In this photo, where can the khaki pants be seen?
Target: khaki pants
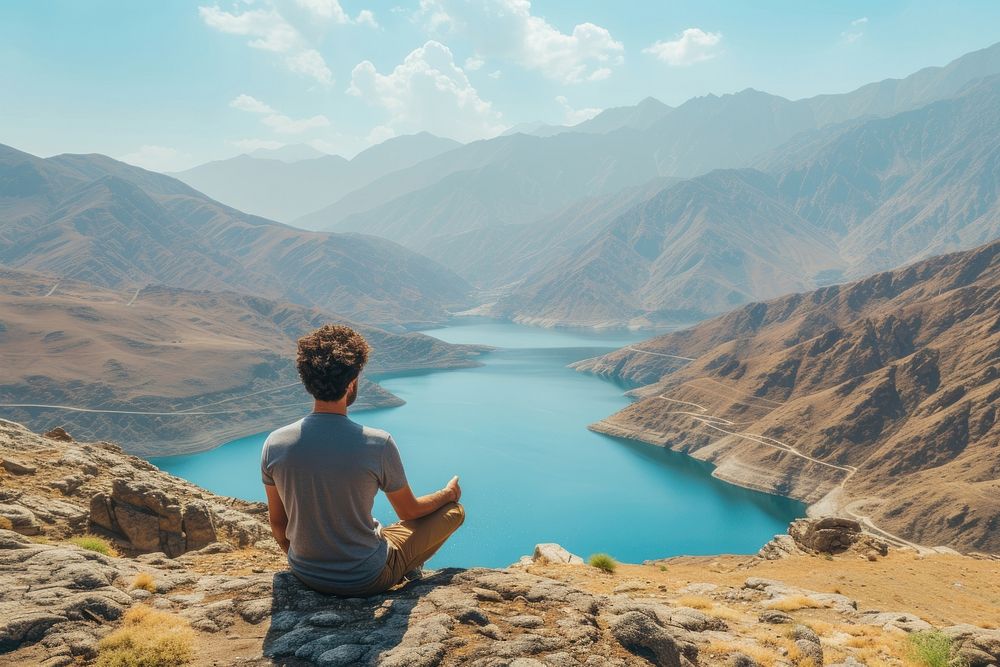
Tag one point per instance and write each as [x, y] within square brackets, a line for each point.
[412, 543]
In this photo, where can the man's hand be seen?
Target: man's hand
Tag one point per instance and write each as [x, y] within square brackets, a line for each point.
[454, 489]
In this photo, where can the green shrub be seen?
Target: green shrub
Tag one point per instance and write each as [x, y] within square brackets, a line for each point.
[603, 562]
[95, 543]
[931, 648]
[663, 568]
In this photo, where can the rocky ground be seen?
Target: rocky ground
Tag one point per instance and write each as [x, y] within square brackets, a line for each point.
[827, 593]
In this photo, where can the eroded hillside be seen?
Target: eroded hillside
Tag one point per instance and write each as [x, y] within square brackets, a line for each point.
[877, 398]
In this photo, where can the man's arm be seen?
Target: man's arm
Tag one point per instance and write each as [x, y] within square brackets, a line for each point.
[410, 507]
[277, 516]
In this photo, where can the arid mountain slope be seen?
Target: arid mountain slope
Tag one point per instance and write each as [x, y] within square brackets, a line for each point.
[868, 197]
[215, 365]
[91, 218]
[877, 398]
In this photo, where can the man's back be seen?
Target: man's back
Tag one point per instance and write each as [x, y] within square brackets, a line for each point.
[327, 470]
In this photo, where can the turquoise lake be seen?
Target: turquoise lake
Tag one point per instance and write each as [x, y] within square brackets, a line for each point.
[515, 430]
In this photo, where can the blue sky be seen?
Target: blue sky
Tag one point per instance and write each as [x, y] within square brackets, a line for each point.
[171, 84]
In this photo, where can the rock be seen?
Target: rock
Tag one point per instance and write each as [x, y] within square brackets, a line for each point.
[978, 647]
[60, 434]
[774, 616]
[808, 642]
[553, 553]
[833, 535]
[487, 595]
[526, 621]
[198, 525]
[896, 620]
[17, 468]
[741, 660]
[22, 520]
[639, 634]
[345, 654]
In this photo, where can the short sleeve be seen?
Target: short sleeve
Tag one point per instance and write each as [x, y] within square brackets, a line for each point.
[393, 478]
[265, 476]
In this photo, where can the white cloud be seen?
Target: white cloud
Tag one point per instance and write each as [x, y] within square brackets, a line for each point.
[250, 104]
[270, 31]
[427, 91]
[311, 64]
[573, 116]
[693, 46]
[507, 29]
[275, 120]
[330, 10]
[472, 63]
[366, 17]
[158, 158]
[856, 31]
[325, 9]
[495, 74]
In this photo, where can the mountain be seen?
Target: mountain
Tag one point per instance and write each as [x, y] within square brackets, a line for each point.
[638, 117]
[94, 219]
[288, 153]
[520, 179]
[269, 184]
[65, 342]
[875, 399]
[870, 196]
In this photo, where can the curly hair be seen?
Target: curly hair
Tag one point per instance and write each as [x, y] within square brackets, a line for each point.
[329, 359]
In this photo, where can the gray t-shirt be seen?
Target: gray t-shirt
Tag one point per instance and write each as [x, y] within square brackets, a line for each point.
[327, 470]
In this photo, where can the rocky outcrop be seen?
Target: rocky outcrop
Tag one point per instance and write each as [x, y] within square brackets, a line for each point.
[147, 519]
[58, 600]
[827, 535]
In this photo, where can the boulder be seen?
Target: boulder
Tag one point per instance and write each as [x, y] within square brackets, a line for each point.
[828, 535]
[22, 520]
[60, 434]
[554, 553]
[150, 520]
[978, 647]
[17, 468]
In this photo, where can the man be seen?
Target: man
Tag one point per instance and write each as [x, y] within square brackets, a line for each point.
[322, 473]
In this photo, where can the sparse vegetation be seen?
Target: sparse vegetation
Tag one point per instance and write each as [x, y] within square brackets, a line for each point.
[663, 568]
[695, 602]
[793, 603]
[147, 638]
[5, 523]
[603, 562]
[95, 543]
[144, 581]
[720, 650]
[931, 648]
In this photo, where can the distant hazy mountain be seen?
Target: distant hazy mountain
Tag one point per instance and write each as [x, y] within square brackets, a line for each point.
[95, 219]
[889, 385]
[289, 153]
[875, 195]
[283, 189]
[518, 179]
[638, 117]
[65, 342]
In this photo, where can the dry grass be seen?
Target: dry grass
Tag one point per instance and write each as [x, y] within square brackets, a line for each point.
[694, 602]
[95, 543]
[725, 613]
[794, 603]
[6, 524]
[147, 638]
[144, 581]
[720, 650]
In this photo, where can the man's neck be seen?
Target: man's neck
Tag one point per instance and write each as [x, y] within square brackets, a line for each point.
[331, 407]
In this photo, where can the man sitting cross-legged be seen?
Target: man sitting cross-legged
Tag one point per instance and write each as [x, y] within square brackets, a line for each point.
[322, 473]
